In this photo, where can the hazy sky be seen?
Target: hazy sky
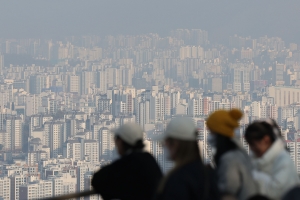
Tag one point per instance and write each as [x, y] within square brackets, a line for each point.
[221, 18]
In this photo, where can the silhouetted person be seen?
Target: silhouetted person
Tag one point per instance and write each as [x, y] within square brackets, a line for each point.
[232, 161]
[275, 172]
[189, 179]
[135, 175]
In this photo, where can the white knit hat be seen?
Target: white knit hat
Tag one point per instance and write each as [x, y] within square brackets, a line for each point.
[130, 133]
[182, 128]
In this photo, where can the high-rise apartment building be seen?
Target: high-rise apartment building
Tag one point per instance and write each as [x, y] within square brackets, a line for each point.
[247, 54]
[32, 102]
[278, 74]
[56, 138]
[106, 144]
[14, 128]
[5, 188]
[37, 83]
[126, 75]
[240, 78]
[143, 113]
[205, 148]
[72, 149]
[81, 149]
[126, 104]
[215, 84]
[101, 80]
[160, 107]
[191, 52]
[175, 100]
[294, 147]
[63, 184]
[82, 170]
[87, 78]
[284, 95]
[36, 190]
[199, 37]
[104, 104]
[91, 150]
[1, 64]
[16, 181]
[74, 84]
[195, 107]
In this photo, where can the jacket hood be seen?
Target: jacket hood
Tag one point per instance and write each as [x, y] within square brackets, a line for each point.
[276, 148]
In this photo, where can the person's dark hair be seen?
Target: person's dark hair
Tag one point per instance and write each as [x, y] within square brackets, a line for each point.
[139, 145]
[188, 151]
[223, 145]
[258, 130]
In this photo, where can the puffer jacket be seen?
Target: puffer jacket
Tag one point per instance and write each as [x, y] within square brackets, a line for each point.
[234, 174]
[275, 172]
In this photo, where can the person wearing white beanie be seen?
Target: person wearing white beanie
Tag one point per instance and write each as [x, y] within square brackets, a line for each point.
[189, 179]
[135, 175]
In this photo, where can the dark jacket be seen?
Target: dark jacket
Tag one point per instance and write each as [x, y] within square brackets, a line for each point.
[293, 194]
[259, 197]
[134, 176]
[190, 182]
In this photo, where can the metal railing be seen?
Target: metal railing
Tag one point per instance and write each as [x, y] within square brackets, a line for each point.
[72, 196]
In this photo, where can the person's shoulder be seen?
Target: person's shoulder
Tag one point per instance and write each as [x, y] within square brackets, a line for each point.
[140, 159]
[236, 156]
[145, 154]
[283, 158]
[194, 168]
[120, 162]
[139, 154]
[284, 155]
[232, 155]
[189, 174]
[177, 176]
[112, 165]
[142, 156]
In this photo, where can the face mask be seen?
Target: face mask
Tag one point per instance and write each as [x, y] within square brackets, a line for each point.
[212, 140]
[115, 155]
[166, 153]
[213, 151]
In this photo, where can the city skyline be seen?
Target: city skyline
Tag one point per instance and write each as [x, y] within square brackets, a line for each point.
[72, 71]
[60, 98]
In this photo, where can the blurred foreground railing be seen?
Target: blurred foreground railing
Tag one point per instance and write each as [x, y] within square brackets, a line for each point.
[71, 196]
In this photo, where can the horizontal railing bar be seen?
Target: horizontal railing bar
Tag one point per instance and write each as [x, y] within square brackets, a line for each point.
[71, 196]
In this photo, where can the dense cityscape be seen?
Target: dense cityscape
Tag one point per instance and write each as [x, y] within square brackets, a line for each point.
[59, 100]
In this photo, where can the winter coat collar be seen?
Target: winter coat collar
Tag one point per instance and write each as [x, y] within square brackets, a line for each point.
[130, 151]
[271, 153]
[238, 143]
